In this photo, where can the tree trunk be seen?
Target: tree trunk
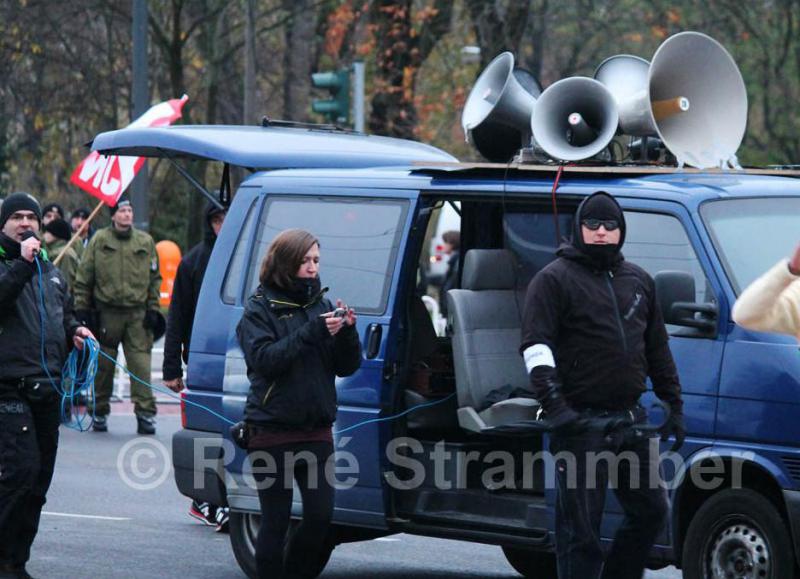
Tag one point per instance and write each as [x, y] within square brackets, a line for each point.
[298, 59]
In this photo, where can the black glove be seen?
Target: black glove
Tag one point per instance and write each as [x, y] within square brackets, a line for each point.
[559, 414]
[674, 426]
[87, 318]
[155, 322]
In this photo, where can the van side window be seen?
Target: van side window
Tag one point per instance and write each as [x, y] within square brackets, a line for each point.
[359, 240]
[232, 285]
[531, 236]
[657, 242]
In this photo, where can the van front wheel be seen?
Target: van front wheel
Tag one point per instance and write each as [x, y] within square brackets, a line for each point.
[244, 531]
[737, 533]
[532, 564]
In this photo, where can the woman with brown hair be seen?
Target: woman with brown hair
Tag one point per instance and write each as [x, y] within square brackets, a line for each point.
[295, 344]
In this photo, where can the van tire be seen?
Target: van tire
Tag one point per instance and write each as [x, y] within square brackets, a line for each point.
[532, 564]
[243, 532]
[738, 527]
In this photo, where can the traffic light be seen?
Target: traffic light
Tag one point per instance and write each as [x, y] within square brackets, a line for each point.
[336, 108]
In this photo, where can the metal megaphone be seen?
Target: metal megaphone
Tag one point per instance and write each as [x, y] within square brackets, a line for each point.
[692, 96]
[496, 116]
[575, 118]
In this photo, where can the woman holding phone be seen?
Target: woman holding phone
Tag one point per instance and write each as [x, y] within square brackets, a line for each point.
[295, 343]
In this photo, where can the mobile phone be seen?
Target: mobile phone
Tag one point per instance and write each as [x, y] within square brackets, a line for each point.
[339, 313]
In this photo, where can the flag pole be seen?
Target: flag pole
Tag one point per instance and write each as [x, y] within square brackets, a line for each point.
[77, 235]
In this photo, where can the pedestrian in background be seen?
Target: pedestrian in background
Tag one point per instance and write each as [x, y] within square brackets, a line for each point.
[592, 333]
[52, 211]
[182, 307]
[56, 236]
[29, 404]
[118, 286]
[451, 242]
[772, 302]
[294, 347]
[78, 217]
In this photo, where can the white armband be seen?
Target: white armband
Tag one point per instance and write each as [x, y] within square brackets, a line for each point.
[538, 355]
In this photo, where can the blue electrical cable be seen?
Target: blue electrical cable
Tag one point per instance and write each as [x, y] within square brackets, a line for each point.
[80, 370]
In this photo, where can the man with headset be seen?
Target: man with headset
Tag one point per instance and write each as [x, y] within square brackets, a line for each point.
[29, 403]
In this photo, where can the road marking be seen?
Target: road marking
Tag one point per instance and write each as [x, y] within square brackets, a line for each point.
[76, 516]
[387, 539]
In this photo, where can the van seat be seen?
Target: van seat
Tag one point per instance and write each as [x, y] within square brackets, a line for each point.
[486, 324]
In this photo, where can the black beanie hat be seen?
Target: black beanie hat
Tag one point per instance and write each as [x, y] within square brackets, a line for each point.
[59, 228]
[123, 202]
[81, 212]
[54, 207]
[19, 202]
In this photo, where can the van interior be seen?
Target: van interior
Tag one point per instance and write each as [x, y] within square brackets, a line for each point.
[462, 364]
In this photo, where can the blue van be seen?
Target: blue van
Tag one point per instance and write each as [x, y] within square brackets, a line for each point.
[420, 442]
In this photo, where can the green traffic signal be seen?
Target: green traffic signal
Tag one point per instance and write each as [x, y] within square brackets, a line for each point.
[337, 108]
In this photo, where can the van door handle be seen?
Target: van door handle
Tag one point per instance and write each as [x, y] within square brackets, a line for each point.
[374, 334]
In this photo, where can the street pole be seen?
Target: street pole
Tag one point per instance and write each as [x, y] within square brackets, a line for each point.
[358, 96]
[141, 102]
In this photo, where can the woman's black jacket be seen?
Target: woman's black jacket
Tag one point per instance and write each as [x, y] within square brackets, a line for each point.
[292, 361]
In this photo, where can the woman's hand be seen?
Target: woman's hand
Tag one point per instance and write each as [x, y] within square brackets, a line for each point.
[794, 262]
[350, 314]
[336, 323]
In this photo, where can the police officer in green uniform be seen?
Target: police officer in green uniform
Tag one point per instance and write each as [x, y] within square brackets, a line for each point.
[118, 278]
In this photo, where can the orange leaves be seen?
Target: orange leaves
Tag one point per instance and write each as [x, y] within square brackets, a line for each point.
[339, 22]
[659, 31]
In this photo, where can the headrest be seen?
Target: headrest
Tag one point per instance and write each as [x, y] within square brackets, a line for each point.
[489, 269]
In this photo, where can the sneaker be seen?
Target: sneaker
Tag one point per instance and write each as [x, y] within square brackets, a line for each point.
[100, 424]
[222, 520]
[145, 424]
[203, 512]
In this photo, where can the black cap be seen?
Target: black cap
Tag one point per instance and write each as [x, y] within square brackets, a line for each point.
[123, 202]
[81, 212]
[54, 207]
[19, 202]
[59, 228]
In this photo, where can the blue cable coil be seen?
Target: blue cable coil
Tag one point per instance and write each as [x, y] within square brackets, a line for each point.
[80, 370]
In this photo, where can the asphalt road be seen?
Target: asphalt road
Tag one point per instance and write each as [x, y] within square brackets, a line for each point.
[100, 526]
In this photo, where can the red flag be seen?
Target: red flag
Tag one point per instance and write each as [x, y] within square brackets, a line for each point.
[107, 177]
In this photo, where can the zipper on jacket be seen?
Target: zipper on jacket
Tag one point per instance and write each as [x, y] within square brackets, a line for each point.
[609, 277]
[266, 396]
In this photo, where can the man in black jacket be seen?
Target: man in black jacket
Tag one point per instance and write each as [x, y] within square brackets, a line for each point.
[592, 332]
[185, 292]
[29, 404]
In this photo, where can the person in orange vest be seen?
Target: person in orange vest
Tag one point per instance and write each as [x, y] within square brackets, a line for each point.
[185, 292]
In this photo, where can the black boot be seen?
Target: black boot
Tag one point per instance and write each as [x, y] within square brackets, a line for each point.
[145, 424]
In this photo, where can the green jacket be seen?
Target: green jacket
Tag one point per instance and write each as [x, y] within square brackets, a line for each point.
[68, 264]
[118, 269]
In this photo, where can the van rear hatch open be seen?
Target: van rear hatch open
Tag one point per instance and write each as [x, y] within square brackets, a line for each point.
[268, 147]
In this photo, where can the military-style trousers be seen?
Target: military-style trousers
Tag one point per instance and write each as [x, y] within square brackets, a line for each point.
[126, 326]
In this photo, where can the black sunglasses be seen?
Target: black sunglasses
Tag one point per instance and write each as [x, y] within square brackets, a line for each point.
[594, 224]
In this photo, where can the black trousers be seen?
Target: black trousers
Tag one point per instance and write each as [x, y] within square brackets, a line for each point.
[279, 556]
[584, 463]
[28, 445]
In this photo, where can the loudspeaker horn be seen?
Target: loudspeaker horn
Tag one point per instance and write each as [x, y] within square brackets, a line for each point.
[575, 118]
[692, 97]
[496, 116]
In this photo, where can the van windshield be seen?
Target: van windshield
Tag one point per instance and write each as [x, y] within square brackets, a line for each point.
[751, 235]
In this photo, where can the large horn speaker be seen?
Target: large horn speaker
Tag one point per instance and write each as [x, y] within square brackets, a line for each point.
[575, 118]
[496, 116]
[692, 96]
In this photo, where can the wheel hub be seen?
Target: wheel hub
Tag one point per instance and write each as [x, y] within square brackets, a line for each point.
[740, 552]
